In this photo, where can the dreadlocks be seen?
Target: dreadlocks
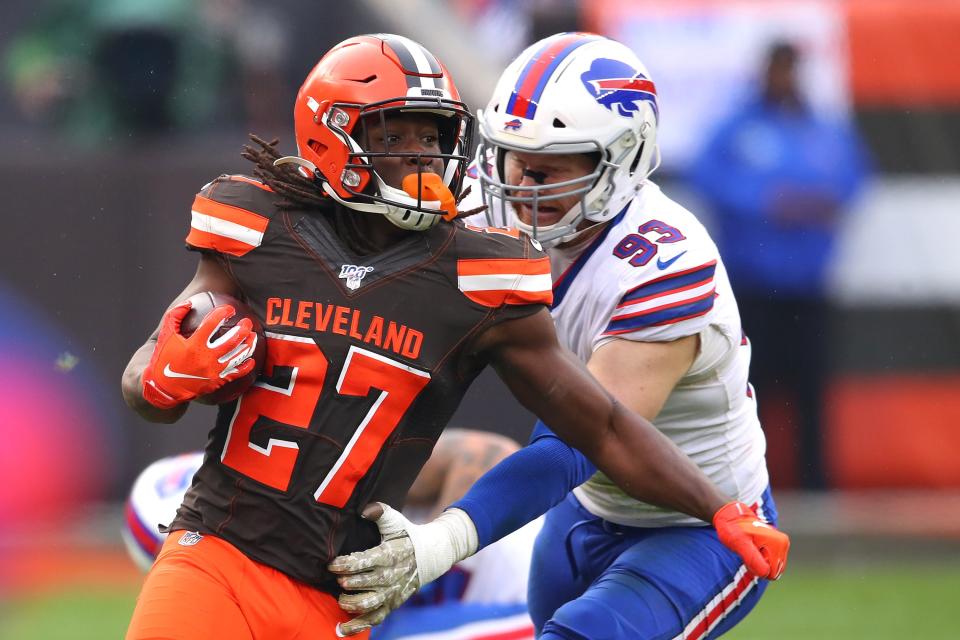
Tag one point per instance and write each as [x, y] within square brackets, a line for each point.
[298, 191]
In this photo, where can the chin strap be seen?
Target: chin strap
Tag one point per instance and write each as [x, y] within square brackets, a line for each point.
[297, 160]
[400, 211]
[578, 235]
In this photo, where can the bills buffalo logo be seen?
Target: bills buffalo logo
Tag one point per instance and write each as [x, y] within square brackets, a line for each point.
[512, 125]
[619, 87]
[178, 478]
[353, 274]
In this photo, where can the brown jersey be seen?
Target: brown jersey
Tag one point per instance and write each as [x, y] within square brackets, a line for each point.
[364, 367]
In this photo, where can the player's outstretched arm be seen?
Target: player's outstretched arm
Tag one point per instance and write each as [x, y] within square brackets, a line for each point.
[641, 375]
[211, 275]
[552, 383]
[642, 461]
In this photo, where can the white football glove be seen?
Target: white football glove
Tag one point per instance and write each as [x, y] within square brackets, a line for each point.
[408, 557]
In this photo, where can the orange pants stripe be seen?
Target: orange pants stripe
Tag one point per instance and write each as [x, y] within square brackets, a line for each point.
[210, 589]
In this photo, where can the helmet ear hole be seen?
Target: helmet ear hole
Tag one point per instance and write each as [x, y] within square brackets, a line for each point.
[318, 147]
[558, 124]
[496, 108]
[636, 158]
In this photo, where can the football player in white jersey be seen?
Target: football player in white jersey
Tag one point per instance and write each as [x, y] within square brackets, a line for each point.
[642, 297]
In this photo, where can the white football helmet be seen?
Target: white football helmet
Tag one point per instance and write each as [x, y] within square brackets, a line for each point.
[570, 93]
[154, 500]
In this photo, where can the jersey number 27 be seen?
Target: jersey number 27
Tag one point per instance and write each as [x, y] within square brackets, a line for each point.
[294, 404]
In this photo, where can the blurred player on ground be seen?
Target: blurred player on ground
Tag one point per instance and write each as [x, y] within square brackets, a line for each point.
[484, 594]
[379, 311]
[641, 296]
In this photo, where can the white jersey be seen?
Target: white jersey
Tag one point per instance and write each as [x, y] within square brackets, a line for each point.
[653, 274]
[498, 572]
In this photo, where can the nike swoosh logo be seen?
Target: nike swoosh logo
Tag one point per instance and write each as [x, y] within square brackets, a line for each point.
[757, 523]
[170, 373]
[663, 264]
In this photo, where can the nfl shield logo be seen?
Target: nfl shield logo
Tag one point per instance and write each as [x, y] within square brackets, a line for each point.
[190, 538]
[353, 274]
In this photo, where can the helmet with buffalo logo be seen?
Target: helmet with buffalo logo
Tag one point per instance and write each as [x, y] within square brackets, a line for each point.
[570, 93]
[154, 499]
[359, 83]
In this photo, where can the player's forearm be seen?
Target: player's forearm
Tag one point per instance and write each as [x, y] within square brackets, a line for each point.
[522, 487]
[643, 462]
[477, 454]
[649, 467]
[132, 387]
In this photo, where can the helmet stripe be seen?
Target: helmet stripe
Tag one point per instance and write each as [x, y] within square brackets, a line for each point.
[533, 80]
[430, 59]
[418, 64]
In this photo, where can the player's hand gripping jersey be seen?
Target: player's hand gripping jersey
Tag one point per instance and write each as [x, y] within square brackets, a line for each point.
[655, 275]
[367, 359]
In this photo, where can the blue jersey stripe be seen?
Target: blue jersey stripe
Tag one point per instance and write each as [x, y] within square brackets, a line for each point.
[562, 285]
[672, 281]
[662, 316]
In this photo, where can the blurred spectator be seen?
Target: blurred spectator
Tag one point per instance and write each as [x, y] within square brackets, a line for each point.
[779, 178]
[506, 27]
[548, 17]
[113, 68]
[502, 27]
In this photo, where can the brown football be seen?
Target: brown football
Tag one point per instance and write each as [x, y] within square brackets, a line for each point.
[201, 305]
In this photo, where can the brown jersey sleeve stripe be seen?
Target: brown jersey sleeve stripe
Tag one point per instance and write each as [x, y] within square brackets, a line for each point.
[499, 298]
[503, 266]
[513, 281]
[225, 228]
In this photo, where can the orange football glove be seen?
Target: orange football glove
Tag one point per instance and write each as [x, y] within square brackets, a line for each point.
[182, 369]
[762, 547]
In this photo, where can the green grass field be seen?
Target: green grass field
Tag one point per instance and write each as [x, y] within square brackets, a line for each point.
[873, 602]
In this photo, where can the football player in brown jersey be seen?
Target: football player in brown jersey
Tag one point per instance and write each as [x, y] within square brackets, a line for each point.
[379, 311]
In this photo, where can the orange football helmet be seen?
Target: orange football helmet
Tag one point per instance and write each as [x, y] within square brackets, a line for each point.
[378, 75]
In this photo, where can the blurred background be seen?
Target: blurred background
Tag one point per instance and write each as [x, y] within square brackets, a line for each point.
[818, 139]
